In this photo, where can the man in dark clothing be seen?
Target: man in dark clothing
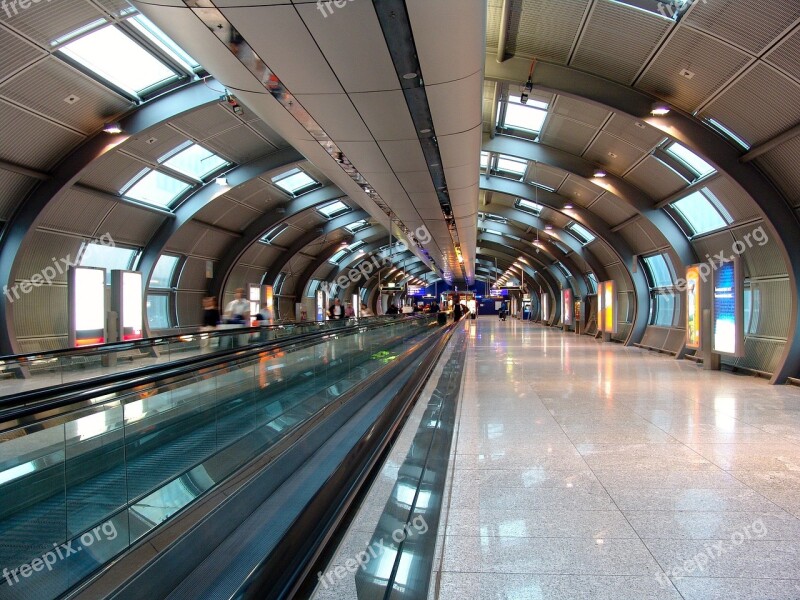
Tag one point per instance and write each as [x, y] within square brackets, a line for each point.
[336, 311]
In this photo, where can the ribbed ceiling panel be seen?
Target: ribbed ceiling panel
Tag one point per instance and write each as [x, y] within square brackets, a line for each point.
[736, 201]
[710, 245]
[566, 134]
[33, 141]
[775, 301]
[257, 194]
[189, 306]
[77, 212]
[240, 144]
[267, 133]
[638, 239]
[782, 164]
[545, 175]
[261, 255]
[206, 122]
[16, 53]
[50, 300]
[655, 178]
[44, 22]
[578, 110]
[131, 225]
[786, 55]
[759, 106]
[632, 44]
[761, 261]
[212, 244]
[494, 16]
[13, 190]
[115, 7]
[37, 252]
[578, 191]
[96, 104]
[185, 239]
[112, 172]
[612, 210]
[546, 29]
[614, 154]
[603, 252]
[683, 51]
[636, 133]
[751, 24]
[193, 275]
[155, 142]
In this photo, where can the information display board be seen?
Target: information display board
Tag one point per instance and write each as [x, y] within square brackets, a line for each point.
[415, 290]
[566, 306]
[607, 300]
[728, 309]
[254, 298]
[86, 306]
[126, 301]
[694, 307]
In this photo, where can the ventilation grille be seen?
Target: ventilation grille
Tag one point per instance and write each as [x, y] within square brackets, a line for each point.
[759, 106]
[33, 141]
[662, 79]
[632, 44]
[546, 29]
[45, 344]
[751, 24]
[760, 355]
[97, 103]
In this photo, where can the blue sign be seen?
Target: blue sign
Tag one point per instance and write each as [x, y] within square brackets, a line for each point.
[728, 309]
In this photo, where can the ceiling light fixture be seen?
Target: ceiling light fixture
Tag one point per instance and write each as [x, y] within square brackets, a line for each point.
[409, 76]
[568, 207]
[112, 128]
[599, 174]
[659, 109]
[223, 181]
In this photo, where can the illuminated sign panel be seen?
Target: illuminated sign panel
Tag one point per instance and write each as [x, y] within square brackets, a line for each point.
[728, 309]
[268, 299]
[415, 290]
[126, 301]
[607, 295]
[545, 307]
[320, 305]
[694, 307]
[87, 306]
[566, 306]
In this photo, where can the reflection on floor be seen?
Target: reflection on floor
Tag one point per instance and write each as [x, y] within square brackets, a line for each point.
[589, 470]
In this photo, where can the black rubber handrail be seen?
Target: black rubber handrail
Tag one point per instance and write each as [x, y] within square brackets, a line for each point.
[26, 404]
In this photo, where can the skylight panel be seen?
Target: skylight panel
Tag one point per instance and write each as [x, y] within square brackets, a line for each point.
[157, 189]
[356, 245]
[163, 272]
[512, 165]
[529, 206]
[690, 159]
[357, 226]
[294, 182]
[484, 160]
[727, 132]
[273, 233]
[660, 275]
[583, 234]
[334, 209]
[148, 29]
[527, 117]
[699, 213]
[340, 254]
[115, 57]
[195, 161]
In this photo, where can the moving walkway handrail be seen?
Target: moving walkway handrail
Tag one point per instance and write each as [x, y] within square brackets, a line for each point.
[147, 343]
[26, 404]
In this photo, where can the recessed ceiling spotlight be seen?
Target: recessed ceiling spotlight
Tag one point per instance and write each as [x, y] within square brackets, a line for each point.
[409, 76]
[687, 73]
[112, 128]
[612, 155]
[548, 227]
[659, 109]
[640, 125]
[599, 174]
[568, 206]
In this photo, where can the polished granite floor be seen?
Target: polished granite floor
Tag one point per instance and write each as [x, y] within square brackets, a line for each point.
[589, 470]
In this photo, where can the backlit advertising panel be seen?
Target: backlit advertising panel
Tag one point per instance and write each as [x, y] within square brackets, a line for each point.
[694, 307]
[87, 306]
[321, 308]
[607, 295]
[126, 301]
[728, 309]
[545, 307]
[566, 306]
